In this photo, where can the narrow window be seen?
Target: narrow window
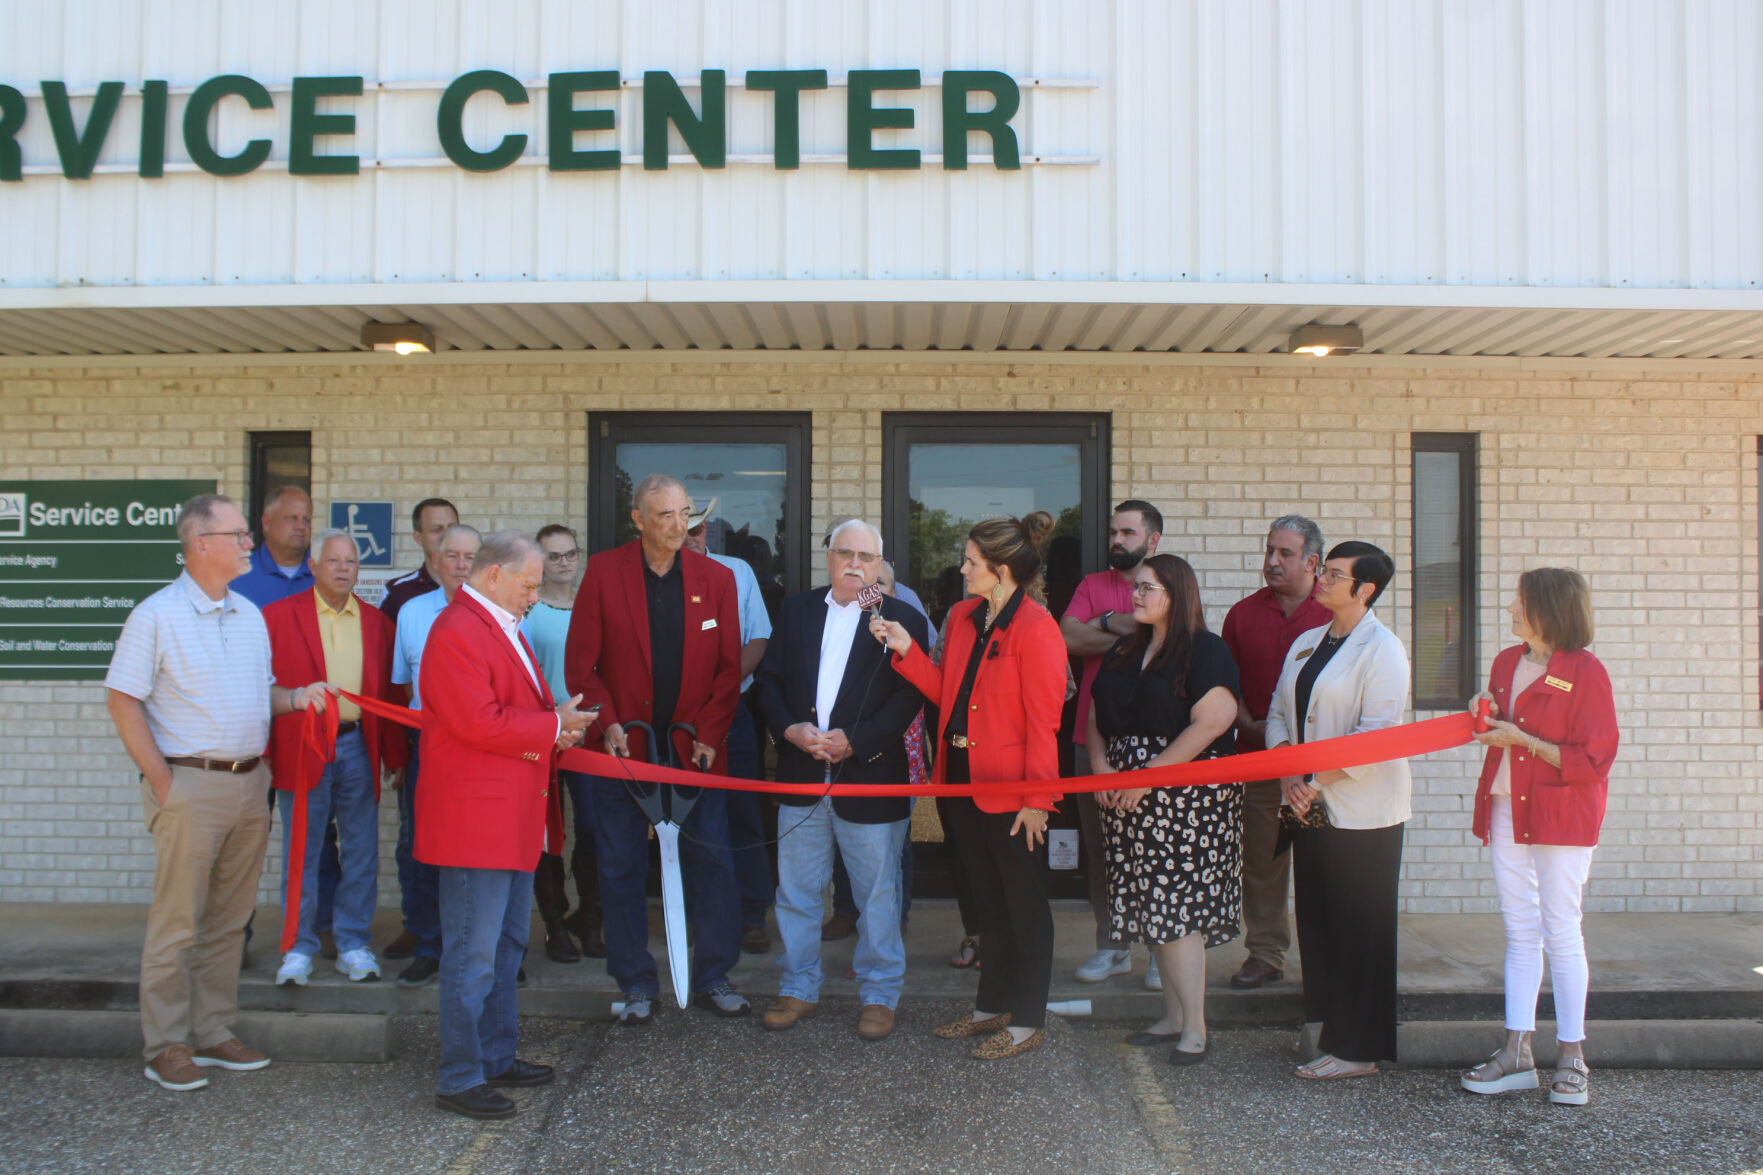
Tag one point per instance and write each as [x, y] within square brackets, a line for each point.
[1445, 672]
[277, 459]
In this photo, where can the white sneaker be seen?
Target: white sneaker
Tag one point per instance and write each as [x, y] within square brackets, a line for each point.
[1153, 980]
[1104, 963]
[296, 968]
[359, 965]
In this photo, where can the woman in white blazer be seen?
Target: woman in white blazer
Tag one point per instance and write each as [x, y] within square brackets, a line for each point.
[1348, 676]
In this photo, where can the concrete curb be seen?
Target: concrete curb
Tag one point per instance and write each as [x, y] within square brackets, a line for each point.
[1610, 1044]
[352, 1039]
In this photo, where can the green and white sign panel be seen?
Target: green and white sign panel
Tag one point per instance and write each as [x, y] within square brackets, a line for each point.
[75, 557]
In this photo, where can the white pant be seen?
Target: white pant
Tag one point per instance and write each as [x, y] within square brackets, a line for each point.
[1540, 888]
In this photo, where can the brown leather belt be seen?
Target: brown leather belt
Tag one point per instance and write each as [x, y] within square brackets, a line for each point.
[346, 727]
[230, 766]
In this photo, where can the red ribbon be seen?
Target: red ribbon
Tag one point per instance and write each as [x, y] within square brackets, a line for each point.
[318, 734]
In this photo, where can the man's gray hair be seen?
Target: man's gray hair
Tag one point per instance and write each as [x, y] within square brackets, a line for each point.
[199, 512]
[274, 497]
[840, 528]
[654, 484]
[505, 548]
[459, 528]
[1303, 528]
[326, 535]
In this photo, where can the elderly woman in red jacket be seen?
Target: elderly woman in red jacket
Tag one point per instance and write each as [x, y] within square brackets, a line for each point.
[1540, 803]
[999, 691]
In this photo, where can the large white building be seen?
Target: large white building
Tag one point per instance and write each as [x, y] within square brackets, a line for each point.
[920, 262]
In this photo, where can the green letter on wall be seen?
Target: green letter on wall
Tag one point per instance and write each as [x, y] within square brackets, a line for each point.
[706, 136]
[862, 119]
[449, 121]
[958, 120]
[563, 120]
[79, 152]
[306, 124]
[786, 115]
[153, 105]
[12, 112]
[202, 104]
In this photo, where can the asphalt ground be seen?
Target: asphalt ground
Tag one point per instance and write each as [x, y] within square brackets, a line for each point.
[696, 1094]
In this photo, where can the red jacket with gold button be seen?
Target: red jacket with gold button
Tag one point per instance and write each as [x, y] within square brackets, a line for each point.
[489, 733]
[1570, 706]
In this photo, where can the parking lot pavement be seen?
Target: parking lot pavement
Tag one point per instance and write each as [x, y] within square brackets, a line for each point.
[693, 1093]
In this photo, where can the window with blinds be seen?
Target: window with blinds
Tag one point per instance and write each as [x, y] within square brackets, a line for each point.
[1444, 562]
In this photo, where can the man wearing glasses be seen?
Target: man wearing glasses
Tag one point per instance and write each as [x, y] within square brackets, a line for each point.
[547, 629]
[191, 691]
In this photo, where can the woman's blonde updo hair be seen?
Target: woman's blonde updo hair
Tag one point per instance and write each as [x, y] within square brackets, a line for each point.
[1015, 543]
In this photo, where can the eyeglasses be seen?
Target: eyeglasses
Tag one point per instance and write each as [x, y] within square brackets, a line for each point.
[867, 558]
[238, 536]
[557, 557]
[1139, 589]
[1332, 575]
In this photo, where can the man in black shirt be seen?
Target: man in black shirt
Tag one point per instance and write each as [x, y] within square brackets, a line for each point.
[428, 522]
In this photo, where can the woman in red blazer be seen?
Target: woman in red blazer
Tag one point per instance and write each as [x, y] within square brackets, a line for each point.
[1541, 803]
[999, 691]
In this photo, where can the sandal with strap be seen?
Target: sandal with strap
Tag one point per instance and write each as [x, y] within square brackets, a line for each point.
[1496, 1078]
[1572, 1073]
[1329, 1067]
[966, 955]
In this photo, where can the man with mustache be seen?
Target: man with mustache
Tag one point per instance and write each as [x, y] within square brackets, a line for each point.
[1100, 614]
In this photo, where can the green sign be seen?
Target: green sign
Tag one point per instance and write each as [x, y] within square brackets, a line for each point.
[75, 558]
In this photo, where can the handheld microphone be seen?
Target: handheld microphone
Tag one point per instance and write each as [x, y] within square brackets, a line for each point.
[870, 596]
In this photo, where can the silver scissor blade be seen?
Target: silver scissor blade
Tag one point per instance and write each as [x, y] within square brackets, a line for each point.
[673, 908]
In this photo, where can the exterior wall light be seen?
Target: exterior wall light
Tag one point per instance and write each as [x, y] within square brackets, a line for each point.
[406, 338]
[1314, 338]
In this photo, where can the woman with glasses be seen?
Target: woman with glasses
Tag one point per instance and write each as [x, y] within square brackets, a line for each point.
[1341, 678]
[1164, 695]
[1540, 803]
[999, 691]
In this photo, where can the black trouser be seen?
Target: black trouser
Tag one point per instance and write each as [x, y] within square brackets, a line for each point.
[1345, 885]
[958, 868]
[1009, 887]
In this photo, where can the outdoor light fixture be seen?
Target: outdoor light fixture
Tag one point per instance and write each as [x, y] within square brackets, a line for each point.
[406, 338]
[1315, 338]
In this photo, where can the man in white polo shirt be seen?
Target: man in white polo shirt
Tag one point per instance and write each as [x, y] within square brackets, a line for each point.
[191, 692]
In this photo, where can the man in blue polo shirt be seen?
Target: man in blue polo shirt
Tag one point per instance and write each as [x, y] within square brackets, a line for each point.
[279, 568]
[420, 884]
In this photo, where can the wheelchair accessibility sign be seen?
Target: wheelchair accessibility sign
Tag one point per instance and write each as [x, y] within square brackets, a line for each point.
[370, 525]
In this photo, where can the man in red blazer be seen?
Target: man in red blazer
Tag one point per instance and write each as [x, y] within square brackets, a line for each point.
[655, 636]
[490, 735]
[328, 634]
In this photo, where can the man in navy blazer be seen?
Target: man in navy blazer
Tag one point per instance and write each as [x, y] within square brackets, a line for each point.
[839, 714]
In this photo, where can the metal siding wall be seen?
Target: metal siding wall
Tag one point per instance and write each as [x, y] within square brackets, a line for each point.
[1567, 143]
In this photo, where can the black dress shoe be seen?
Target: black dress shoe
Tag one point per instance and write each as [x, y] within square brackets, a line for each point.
[422, 971]
[1180, 1059]
[523, 1073]
[559, 947]
[480, 1101]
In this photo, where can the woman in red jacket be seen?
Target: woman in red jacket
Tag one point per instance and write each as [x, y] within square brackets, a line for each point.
[1540, 803]
[999, 691]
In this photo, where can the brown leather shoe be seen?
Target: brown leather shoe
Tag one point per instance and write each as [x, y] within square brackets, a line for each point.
[559, 947]
[401, 947]
[1256, 972]
[174, 1070]
[837, 927]
[876, 1022]
[231, 1053]
[754, 940]
[1000, 1048]
[967, 1026]
[786, 1011]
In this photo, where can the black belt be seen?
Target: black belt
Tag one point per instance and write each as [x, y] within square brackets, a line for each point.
[346, 727]
[230, 766]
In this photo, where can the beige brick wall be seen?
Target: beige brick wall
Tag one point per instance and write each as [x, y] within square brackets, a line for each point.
[1643, 477]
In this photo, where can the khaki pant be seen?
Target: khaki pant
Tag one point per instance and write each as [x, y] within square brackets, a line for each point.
[1266, 878]
[208, 840]
[1089, 823]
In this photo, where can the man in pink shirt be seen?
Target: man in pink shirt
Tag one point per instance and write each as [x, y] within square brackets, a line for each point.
[1100, 613]
[1259, 631]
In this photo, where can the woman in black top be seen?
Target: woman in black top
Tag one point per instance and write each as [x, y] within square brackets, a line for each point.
[1168, 694]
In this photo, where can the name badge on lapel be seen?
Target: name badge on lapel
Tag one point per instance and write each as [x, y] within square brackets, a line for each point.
[1565, 687]
[707, 625]
[697, 599]
[1304, 654]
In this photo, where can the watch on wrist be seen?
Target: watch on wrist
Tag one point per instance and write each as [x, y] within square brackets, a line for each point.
[1107, 618]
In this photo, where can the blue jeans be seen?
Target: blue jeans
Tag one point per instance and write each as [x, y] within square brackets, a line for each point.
[344, 793]
[580, 789]
[622, 845]
[843, 900]
[486, 915]
[419, 885]
[330, 871]
[806, 837]
[746, 825]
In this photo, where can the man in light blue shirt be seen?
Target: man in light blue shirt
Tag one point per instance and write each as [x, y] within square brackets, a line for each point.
[746, 825]
[419, 884]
